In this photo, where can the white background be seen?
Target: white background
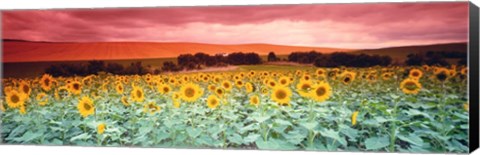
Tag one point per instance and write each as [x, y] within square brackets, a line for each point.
[63, 150]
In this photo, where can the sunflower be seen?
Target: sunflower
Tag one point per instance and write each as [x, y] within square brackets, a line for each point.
[264, 91]
[176, 103]
[212, 101]
[101, 128]
[212, 88]
[249, 87]
[25, 88]
[42, 99]
[386, 76]
[354, 118]
[371, 77]
[46, 82]
[227, 85]
[23, 111]
[254, 100]
[465, 106]
[119, 88]
[464, 71]
[137, 94]
[190, 92]
[15, 99]
[415, 74]
[347, 77]
[442, 74]
[75, 88]
[239, 83]
[2, 108]
[281, 95]
[410, 86]
[271, 83]
[320, 92]
[176, 96]
[303, 87]
[306, 77]
[85, 106]
[219, 92]
[125, 101]
[320, 72]
[164, 89]
[151, 108]
[284, 81]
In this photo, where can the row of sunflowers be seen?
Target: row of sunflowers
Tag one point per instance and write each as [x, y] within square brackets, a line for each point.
[406, 109]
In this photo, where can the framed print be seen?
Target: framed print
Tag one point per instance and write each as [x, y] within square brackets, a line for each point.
[373, 77]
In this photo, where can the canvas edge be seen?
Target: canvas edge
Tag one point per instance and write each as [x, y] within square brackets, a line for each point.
[473, 64]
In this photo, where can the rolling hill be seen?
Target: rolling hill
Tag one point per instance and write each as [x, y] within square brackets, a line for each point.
[400, 53]
[26, 51]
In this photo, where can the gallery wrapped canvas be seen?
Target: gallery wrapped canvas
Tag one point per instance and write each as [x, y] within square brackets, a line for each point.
[382, 77]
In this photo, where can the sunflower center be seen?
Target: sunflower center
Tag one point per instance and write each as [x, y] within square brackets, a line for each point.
[283, 81]
[189, 92]
[87, 106]
[226, 85]
[415, 74]
[410, 86]
[152, 107]
[47, 82]
[76, 86]
[213, 102]
[346, 79]
[26, 89]
[320, 91]
[442, 76]
[165, 89]
[219, 91]
[139, 93]
[15, 98]
[281, 94]
[255, 100]
[306, 86]
[272, 84]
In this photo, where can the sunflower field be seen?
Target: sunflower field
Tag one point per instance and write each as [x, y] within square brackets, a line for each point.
[395, 109]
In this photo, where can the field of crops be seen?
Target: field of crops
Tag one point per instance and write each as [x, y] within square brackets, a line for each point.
[406, 109]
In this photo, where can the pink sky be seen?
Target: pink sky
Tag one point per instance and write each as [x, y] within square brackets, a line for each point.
[371, 25]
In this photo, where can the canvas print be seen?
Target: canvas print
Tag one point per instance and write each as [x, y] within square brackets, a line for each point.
[381, 77]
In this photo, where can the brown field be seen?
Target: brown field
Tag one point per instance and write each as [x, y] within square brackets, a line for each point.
[20, 51]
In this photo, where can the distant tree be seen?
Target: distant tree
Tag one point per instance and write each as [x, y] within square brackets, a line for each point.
[93, 67]
[415, 59]
[115, 68]
[169, 66]
[272, 57]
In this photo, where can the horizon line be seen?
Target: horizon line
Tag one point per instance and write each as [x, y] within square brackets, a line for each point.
[331, 47]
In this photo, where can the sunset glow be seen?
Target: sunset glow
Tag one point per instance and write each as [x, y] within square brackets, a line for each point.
[356, 26]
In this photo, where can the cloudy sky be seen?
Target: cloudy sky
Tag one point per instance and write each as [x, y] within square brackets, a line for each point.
[371, 25]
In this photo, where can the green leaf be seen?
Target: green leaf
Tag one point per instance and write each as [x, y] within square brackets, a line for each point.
[28, 136]
[235, 138]
[193, 132]
[251, 138]
[349, 132]
[273, 144]
[83, 136]
[412, 139]
[261, 119]
[309, 125]
[282, 122]
[375, 143]
[334, 135]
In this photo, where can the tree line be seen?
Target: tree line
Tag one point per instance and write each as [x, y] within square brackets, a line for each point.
[438, 58]
[201, 60]
[338, 59]
[184, 62]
